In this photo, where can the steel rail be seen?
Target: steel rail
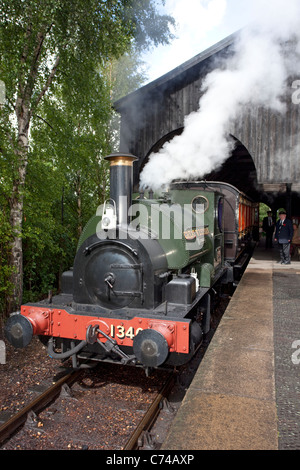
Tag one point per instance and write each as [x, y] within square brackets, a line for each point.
[150, 415]
[36, 405]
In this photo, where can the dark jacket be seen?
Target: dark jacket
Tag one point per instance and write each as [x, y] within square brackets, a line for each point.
[284, 232]
[266, 227]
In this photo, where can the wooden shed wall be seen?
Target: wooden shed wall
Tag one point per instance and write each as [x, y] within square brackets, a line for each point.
[149, 117]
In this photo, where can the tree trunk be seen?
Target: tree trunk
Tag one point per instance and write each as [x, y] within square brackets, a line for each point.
[16, 261]
[16, 214]
[23, 110]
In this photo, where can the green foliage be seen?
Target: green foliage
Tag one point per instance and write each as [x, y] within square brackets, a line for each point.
[263, 211]
[5, 269]
[63, 62]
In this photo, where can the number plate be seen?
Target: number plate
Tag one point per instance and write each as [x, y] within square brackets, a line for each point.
[119, 331]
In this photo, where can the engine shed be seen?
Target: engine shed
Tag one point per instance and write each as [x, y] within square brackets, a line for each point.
[265, 161]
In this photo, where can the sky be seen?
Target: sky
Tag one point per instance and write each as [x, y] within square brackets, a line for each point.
[200, 24]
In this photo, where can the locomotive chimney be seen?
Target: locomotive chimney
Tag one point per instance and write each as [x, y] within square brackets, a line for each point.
[121, 176]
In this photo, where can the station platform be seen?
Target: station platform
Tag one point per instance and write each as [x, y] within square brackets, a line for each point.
[246, 392]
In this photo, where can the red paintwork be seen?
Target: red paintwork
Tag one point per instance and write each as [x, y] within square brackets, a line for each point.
[60, 323]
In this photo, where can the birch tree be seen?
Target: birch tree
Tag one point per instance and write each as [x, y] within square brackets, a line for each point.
[43, 45]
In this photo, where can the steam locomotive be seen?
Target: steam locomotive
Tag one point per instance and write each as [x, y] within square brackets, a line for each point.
[140, 290]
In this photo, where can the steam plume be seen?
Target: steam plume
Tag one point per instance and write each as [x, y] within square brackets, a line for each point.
[254, 76]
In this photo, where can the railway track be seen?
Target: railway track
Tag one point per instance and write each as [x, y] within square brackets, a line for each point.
[35, 406]
[143, 428]
[140, 430]
[138, 437]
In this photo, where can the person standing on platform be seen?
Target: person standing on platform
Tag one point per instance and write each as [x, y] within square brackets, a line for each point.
[284, 234]
[268, 228]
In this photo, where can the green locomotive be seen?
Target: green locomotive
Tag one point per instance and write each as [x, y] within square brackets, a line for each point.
[140, 289]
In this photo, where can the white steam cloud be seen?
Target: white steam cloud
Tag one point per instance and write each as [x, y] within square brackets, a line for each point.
[255, 76]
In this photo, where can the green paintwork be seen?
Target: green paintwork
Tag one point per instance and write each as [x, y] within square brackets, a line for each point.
[167, 220]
